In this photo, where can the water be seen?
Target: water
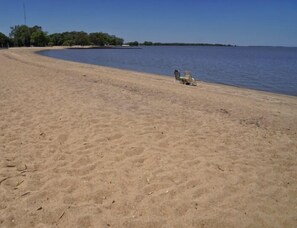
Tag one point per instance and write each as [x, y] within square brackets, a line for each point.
[272, 69]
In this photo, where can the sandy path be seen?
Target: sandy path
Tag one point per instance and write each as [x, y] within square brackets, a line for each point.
[89, 146]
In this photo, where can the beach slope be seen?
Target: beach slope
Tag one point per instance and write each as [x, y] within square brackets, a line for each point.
[89, 146]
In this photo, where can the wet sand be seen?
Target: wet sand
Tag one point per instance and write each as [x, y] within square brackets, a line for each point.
[90, 146]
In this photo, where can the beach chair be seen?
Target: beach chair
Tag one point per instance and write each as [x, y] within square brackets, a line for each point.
[187, 79]
[177, 75]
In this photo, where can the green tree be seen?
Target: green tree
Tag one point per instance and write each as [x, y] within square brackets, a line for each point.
[39, 38]
[81, 38]
[20, 35]
[4, 40]
[56, 39]
[148, 43]
[68, 38]
[75, 38]
[35, 28]
[68, 43]
[135, 43]
[101, 39]
[115, 40]
[23, 35]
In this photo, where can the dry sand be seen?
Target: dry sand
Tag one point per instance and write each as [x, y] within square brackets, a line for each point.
[90, 146]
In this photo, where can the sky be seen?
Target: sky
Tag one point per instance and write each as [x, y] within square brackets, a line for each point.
[237, 22]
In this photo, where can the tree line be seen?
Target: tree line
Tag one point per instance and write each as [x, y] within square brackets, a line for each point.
[25, 36]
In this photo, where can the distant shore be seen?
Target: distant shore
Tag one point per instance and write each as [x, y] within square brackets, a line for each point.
[91, 146]
[102, 47]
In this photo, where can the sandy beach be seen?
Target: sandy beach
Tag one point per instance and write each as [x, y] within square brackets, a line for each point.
[90, 146]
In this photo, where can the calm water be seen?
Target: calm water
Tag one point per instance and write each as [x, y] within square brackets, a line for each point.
[271, 69]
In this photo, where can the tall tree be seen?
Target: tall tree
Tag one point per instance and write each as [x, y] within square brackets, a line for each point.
[20, 35]
[23, 35]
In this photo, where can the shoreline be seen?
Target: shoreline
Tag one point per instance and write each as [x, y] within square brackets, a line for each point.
[160, 75]
[248, 86]
[92, 146]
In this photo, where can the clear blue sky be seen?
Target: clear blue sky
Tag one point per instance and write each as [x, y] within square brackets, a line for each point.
[240, 22]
